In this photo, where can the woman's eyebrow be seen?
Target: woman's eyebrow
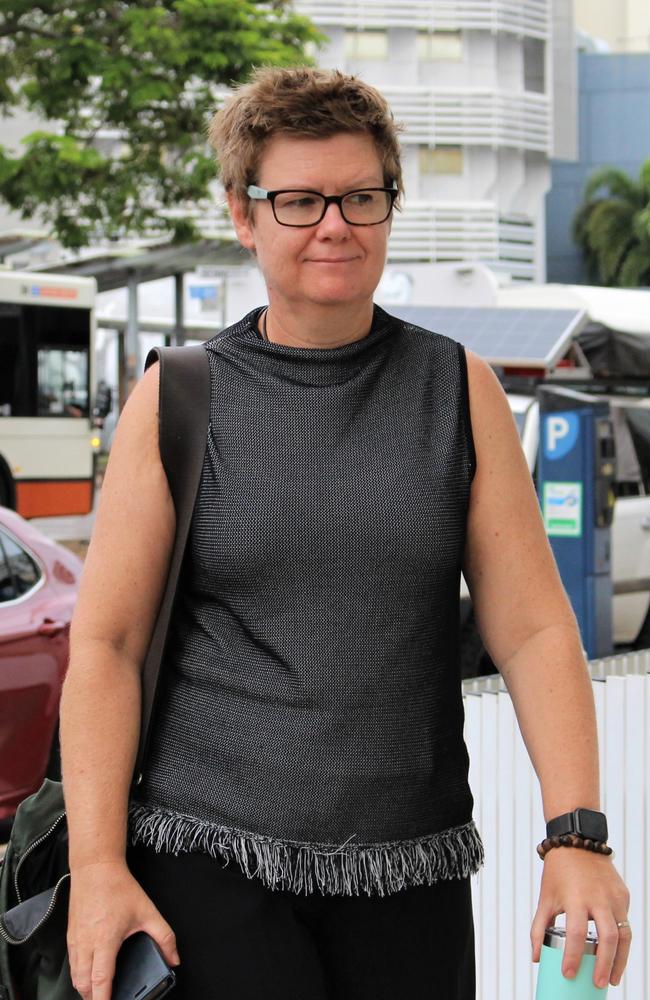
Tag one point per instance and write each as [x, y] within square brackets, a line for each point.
[366, 182]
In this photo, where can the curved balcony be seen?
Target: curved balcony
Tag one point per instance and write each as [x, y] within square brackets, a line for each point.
[472, 117]
[464, 231]
[529, 18]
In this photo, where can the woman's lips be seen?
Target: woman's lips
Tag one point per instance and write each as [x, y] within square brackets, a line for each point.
[331, 260]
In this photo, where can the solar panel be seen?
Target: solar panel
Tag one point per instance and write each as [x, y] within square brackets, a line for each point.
[535, 338]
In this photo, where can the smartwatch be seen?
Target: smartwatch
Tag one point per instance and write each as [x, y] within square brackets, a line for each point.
[585, 823]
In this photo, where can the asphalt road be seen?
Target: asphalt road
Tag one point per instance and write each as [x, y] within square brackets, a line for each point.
[64, 529]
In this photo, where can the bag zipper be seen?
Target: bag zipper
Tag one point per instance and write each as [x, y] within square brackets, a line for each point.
[29, 850]
[11, 940]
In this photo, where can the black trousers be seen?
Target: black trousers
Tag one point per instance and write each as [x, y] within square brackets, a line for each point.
[239, 940]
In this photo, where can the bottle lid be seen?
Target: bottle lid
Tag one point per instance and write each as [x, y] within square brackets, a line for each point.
[555, 937]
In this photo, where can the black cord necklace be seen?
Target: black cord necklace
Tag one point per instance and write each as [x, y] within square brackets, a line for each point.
[263, 324]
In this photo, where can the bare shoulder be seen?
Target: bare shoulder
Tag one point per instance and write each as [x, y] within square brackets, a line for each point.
[493, 425]
[485, 391]
[139, 419]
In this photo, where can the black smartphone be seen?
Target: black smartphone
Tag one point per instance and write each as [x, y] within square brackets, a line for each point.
[141, 972]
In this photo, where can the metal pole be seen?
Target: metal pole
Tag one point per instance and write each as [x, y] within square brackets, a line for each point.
[132, 336]
[122, 373]
[179, 309]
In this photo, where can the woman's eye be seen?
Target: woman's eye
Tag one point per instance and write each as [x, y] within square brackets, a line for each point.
[362, 198]
[304, 202]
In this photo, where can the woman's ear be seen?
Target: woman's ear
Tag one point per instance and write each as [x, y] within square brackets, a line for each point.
[242, 223]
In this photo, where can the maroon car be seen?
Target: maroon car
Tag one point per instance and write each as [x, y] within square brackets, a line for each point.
[38, 588]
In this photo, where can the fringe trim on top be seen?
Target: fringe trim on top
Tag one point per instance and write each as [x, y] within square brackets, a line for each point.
[382, 868]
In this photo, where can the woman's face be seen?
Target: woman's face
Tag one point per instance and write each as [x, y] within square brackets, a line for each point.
[331, 262]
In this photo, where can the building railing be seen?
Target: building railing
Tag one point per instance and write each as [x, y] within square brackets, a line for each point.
[472, 117]
[445, 230]
[528, 17]
[517, 249]
[508, 814]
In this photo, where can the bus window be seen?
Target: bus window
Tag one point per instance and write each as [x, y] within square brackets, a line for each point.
[10, 362]
[62, 382]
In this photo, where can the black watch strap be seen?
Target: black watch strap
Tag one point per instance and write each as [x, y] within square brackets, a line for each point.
[585, 823]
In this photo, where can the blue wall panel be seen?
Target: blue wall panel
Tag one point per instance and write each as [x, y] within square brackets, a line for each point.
[614, 130]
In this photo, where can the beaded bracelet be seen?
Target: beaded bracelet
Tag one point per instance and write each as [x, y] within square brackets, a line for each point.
[572, 840]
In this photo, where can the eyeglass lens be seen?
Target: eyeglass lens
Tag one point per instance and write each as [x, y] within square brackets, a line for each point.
[301, 208]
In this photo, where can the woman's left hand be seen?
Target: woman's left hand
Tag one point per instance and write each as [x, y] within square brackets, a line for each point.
[585, 886]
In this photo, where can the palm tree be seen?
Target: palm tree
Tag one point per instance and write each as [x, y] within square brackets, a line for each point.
[612, 226]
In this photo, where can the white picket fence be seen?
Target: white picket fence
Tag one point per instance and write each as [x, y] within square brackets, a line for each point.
[508, 813]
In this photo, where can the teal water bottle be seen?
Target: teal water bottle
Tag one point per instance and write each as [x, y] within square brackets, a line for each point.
[552, 985]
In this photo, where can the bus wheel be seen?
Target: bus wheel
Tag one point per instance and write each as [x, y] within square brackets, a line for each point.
[7, 486]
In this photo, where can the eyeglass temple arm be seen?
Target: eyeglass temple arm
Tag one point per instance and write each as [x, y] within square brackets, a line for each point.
[256, 192]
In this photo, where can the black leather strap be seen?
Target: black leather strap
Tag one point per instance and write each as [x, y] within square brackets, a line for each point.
[586, 822]
[183, 418]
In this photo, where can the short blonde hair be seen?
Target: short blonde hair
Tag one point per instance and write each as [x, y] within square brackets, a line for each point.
[299, 101]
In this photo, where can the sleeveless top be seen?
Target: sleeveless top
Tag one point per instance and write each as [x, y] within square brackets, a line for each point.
[311, 721]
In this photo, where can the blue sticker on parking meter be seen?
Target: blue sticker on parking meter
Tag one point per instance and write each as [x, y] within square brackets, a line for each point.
[562, 509]
[560, 434]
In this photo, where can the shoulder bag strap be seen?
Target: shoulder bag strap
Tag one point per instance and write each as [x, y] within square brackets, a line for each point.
[183, 418]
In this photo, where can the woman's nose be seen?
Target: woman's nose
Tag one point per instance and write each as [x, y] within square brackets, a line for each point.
[333, 220]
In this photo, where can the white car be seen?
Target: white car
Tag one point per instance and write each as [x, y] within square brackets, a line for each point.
[630, 527]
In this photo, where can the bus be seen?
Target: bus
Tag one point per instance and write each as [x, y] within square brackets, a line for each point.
[48, 440]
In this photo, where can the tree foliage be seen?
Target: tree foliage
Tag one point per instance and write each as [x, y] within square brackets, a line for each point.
[130, 87]
[612, 226]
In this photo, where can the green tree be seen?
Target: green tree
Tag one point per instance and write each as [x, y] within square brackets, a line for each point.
[147, 73]
[612, 226]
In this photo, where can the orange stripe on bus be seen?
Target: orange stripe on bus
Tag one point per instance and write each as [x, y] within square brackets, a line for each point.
[54, 498]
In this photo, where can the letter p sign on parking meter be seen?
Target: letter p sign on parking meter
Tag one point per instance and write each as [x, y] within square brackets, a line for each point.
[560, 434]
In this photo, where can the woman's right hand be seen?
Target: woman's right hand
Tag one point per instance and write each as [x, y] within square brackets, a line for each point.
[107, 905]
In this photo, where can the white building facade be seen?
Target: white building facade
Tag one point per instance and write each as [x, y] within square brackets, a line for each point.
[487, 92]
[623, 26]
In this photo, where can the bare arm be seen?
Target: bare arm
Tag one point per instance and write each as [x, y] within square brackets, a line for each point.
[522, 610]
[121, 588]
[530, 631]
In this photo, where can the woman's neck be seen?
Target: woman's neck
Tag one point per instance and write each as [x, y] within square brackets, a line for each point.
[328, 326]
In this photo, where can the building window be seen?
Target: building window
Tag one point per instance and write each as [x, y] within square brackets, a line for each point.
[440, 45]
[534, 75]
[366, 44]
[441, 160]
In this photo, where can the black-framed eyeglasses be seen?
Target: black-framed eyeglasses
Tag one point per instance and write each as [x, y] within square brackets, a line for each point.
[363, 207]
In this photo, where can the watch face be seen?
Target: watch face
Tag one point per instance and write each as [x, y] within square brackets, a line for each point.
[591, 824]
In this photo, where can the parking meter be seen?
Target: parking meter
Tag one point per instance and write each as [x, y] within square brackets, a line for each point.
[575, 480]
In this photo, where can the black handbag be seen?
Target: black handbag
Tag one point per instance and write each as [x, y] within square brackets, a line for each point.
[34, 874]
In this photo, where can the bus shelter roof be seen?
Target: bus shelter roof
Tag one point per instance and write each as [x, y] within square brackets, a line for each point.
[115, 268]
[14, 241]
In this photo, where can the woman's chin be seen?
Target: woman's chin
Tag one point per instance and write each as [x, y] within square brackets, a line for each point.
[334, 293]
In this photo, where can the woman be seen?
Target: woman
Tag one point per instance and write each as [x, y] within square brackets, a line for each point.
[310, 732]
